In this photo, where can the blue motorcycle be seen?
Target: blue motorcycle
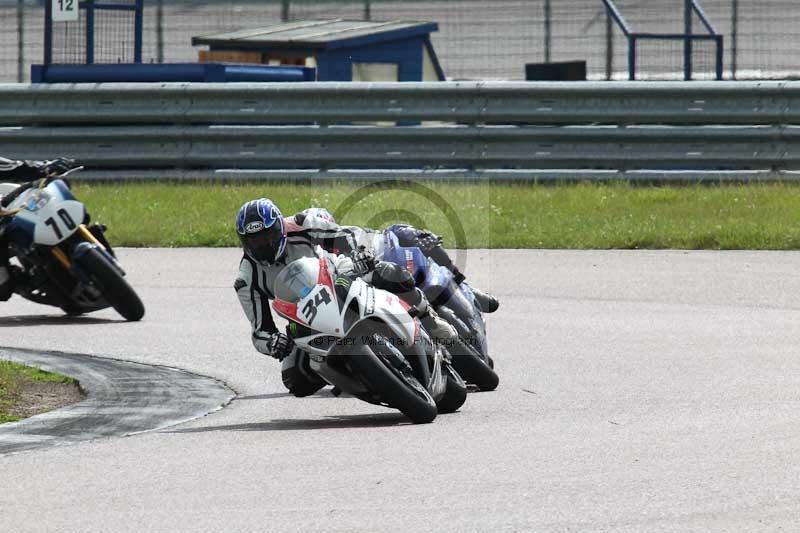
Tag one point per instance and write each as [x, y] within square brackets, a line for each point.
[455, 303]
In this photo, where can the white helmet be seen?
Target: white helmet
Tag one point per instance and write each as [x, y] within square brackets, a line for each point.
[318, 218]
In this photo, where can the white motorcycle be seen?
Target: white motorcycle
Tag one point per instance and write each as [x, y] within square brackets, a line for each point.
[65, 263]
[363, 341]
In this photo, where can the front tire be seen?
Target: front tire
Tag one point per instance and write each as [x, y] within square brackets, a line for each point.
[115, 288]
[455, 393]
[397, 388]
[472, 367]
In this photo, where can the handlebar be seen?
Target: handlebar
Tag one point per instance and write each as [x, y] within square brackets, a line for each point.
[40, 183]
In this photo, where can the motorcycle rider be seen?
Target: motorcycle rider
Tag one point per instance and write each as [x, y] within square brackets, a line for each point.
[271, 242]
[17, 171]
[320, 227]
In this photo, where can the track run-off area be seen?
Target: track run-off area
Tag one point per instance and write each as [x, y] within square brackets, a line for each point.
[639, 391]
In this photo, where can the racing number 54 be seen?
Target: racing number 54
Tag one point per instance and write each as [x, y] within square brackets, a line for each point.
[65, 219]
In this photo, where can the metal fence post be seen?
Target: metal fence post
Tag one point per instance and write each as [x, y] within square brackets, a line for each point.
[632, 57]
[138, 31]
[734, 36]
[609, 46]
[548, 36]
[48, 32]
[160, 31]
[367, 10]
[20, 41]
[285, 9]
[687, 42]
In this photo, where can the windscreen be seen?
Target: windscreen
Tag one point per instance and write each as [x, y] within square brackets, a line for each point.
[297, 279]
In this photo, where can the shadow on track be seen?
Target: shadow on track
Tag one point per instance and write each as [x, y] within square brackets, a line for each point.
[294, 424]
[323, 394]
[270, 396]
[52, 320]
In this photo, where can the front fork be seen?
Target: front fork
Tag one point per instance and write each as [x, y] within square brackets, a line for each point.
[87, 236]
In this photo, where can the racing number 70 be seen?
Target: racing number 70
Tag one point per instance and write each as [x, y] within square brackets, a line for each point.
[65, 218]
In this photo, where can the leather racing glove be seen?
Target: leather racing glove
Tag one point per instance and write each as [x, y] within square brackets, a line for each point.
[363, 261]
[280, 346]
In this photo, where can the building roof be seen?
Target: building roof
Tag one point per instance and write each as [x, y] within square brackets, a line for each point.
[324, 34]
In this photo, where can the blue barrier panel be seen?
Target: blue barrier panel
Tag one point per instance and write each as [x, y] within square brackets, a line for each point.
[267, 73]
[169, 72]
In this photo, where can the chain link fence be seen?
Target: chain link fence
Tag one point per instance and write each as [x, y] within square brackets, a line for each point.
[476, 39]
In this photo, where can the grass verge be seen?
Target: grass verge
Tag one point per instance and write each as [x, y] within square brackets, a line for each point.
[13, 378]
[588, 216]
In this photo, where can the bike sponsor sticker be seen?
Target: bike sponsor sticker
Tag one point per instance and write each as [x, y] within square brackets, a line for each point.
[37, 201]
[409, 261]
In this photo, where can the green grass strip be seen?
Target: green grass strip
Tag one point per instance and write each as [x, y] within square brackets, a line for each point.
[12, 377]
[586, 216]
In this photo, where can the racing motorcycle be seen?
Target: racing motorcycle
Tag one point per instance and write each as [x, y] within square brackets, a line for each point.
[363, 341]
[453, 302]
[66, 263]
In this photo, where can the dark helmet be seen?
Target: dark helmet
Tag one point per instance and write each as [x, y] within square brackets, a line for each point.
[261, 230]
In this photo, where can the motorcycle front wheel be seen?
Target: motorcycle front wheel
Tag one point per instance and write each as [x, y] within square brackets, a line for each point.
[115, 288]
[374, 361]
[456, 392]
[469, 363]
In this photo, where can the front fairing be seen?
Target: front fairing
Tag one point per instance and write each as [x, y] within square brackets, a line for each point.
[45, 216]
[386, 307]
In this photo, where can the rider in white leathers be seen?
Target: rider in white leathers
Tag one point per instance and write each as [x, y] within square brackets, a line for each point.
[270, 243]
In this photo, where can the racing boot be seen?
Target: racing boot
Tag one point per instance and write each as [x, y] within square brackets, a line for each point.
[488, 303]
[436, 326]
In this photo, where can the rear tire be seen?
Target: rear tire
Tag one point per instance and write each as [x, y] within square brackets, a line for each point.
[115, 288]
[391, 384]
[472, 367]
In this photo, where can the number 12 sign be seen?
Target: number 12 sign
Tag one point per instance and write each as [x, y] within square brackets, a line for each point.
[64, 10]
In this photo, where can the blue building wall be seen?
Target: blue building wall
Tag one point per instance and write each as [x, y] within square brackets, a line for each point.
[337, 64]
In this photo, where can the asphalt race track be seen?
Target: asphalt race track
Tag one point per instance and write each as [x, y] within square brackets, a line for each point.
[640, 391]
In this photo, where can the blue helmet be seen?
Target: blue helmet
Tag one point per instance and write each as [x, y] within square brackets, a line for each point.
[261, 230]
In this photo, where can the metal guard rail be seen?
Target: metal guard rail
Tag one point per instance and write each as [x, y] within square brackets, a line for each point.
[474, 129]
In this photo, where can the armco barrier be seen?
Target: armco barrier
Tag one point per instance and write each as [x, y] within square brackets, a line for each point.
[461, 129]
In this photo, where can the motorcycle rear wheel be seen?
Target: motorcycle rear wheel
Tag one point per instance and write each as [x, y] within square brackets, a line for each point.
[115, 288]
